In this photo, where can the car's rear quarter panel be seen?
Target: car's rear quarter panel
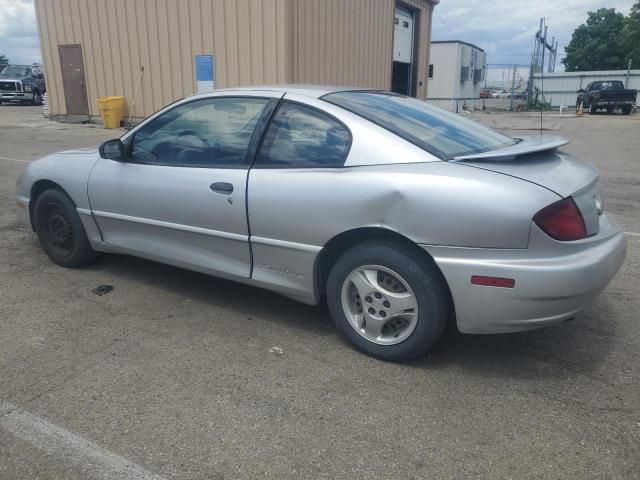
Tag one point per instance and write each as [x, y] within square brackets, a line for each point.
[294, 213]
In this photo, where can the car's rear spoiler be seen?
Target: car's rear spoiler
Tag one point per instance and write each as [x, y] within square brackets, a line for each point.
[523, 146]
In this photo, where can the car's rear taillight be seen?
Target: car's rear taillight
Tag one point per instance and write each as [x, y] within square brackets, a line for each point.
[562, 220]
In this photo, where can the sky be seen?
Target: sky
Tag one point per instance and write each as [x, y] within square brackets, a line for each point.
[18, 31]
[503, 28]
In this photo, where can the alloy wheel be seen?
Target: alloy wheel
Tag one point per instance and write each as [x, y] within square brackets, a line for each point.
[379, 304]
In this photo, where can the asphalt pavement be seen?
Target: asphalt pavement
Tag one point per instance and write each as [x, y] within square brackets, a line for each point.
[174, 374]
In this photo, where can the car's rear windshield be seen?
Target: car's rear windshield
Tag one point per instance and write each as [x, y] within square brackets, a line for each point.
[438, 131]
[613, 85]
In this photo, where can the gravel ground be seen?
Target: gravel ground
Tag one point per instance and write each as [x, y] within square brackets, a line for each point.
[172, 372]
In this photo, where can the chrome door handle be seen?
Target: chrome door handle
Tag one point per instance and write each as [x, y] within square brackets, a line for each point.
[223, 188]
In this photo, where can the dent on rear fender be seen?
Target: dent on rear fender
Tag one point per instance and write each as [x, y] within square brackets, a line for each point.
[458, 206]
[392, 203]
[434, 203]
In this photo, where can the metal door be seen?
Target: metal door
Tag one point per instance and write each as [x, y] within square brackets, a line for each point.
[185, 214]
[189, 217]
[73, 82]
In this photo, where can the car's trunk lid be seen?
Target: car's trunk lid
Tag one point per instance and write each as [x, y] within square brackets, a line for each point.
[536, 160]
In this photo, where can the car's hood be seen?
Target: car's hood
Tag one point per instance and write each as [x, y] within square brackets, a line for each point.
[67, 161]
[7, 78]
[536, 160]
[77, 151]
[69, 169]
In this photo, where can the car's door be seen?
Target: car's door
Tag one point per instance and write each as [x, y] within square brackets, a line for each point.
[179, 196]
[295, 187]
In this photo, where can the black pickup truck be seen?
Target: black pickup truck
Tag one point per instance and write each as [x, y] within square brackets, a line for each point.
[606, 94]
[22, 83]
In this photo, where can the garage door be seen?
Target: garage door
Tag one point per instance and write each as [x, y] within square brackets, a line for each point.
[403, 36]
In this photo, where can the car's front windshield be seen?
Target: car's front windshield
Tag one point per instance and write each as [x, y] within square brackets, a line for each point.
[443, 133]
[13, 71]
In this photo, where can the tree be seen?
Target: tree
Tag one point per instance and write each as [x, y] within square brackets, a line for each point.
[3, 60]
[598, 44]
[631, 34]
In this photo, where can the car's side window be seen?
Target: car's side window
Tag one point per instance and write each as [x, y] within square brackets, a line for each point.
[303, 137]
[212, 132]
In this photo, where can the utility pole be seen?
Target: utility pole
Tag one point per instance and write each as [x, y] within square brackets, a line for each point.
[552, 55]
[485, 71]
[513, 87]
[626, 81]
[538, 56]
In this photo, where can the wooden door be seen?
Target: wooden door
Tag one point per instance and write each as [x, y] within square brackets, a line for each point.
[73, 82]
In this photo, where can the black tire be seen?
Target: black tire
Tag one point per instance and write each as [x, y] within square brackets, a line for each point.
[626, 110]
[37, 98]
[609, 110]
[60, 231]
[426, 281]
[592, 109]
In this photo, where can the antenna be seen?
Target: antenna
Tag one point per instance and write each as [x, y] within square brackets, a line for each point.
[544, 41]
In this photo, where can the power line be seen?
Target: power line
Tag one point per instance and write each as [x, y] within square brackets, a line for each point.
[443, 22]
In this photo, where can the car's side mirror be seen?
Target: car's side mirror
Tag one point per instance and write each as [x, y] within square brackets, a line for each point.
[112, 150]
[581, 90]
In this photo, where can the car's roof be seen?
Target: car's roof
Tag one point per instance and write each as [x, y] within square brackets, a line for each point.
[309, 90]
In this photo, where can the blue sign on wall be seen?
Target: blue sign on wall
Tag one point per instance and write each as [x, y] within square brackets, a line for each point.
[205, 73]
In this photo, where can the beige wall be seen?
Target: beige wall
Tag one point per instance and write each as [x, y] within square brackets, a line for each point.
[350, 42]
[254, 42]
[250, 40]
[343, 42]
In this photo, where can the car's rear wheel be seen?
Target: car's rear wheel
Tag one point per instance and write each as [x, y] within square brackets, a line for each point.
[60, 230]
[626, 110]
[388, 303]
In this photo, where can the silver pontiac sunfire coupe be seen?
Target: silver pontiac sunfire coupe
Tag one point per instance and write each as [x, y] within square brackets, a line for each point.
[404, 216]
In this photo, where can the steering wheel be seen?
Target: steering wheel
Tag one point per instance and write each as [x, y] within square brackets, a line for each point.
[191, 133]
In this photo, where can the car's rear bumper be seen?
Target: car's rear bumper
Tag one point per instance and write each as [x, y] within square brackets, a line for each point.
[614, 103]
[553, 280]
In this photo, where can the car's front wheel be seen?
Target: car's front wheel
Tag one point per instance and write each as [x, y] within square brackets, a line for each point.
[37, 98]
[389, 302]
[60, 231]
